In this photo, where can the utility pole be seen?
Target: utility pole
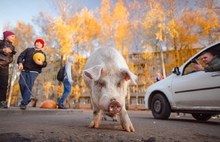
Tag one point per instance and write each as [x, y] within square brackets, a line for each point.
[162, 61]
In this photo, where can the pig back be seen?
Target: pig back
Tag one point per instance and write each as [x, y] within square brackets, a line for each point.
[108, 57]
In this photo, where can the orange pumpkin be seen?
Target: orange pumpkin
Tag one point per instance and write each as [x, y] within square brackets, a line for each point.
[49, 104]
[39, 56]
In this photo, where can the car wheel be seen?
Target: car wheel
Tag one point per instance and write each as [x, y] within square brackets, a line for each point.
[160, 107]
[201, 116]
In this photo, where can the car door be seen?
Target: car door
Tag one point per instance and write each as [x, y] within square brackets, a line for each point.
[197, 90]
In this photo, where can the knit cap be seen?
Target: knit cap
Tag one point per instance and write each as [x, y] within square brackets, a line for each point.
[39, 40]
[7, 33]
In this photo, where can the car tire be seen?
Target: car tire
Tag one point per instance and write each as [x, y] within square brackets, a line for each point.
[201, 116]
[160, 107]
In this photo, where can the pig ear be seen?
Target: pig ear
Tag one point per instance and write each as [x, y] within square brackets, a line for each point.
[93, 72]
[128, 75]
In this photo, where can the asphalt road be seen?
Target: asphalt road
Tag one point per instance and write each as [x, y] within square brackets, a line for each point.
[47, 125]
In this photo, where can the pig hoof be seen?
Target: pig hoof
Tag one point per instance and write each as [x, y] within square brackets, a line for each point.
[93, 125]
[129, 128]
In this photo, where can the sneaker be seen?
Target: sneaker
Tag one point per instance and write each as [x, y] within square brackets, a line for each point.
[3, 104]
[61, 106]
[22, 106]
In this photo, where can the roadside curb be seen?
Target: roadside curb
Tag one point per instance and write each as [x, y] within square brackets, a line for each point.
[36, 111]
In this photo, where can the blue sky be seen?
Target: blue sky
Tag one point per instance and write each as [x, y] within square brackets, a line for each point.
[12, 11]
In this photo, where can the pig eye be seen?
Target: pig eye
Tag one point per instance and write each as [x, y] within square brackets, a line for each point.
[101, 83]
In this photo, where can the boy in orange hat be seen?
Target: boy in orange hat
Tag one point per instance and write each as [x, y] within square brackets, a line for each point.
[29, 70]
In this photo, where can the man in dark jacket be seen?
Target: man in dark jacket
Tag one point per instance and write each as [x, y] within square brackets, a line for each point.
[7, 51]
[212, 62]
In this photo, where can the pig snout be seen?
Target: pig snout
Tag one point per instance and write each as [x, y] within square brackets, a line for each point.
[114, 107]
[111, 106]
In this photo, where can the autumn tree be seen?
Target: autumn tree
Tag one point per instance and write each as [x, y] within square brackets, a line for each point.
[208, 21]
[155, 27]
[174, 29]
[121, 28]
[106, 21]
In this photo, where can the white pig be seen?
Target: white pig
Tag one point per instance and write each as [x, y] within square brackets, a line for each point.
[107, 76]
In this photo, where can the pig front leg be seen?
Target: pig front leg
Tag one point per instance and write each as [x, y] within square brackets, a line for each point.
[125, 121]
[96, 118]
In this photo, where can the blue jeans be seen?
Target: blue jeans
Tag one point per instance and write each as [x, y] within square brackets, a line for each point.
[26, 80]
[67, 90]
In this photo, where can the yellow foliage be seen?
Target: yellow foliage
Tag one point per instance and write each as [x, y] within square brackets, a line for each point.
[155, 15]
[65, 39]
[59, 90]
[76, 92]
[172, 28]
[155, 19]
[105, 13]
[161, 30]
[24, 36]
[120, 13]
[211, 21]
[87, 27]
[47, 85]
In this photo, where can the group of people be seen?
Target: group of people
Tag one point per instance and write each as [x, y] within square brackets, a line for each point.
[30, 68]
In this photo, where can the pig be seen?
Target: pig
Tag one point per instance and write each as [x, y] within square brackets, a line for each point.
[107, 76]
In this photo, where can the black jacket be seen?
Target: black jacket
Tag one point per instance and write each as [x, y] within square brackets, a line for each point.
[4, 68]
[26, 58]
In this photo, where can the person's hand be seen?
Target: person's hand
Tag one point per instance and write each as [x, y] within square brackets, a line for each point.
[7, 50]
[20, 66]
[38, 62]
[198, 67]
[70, 81]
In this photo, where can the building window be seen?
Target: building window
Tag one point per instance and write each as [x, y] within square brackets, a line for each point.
[140, 100]
[87, 101]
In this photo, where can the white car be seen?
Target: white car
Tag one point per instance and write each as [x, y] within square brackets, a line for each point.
[187, 91]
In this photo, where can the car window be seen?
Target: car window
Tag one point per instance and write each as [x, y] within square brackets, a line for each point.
[215, 50]
[188, 69]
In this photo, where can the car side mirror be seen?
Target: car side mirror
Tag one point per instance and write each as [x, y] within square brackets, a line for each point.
[176, 71]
